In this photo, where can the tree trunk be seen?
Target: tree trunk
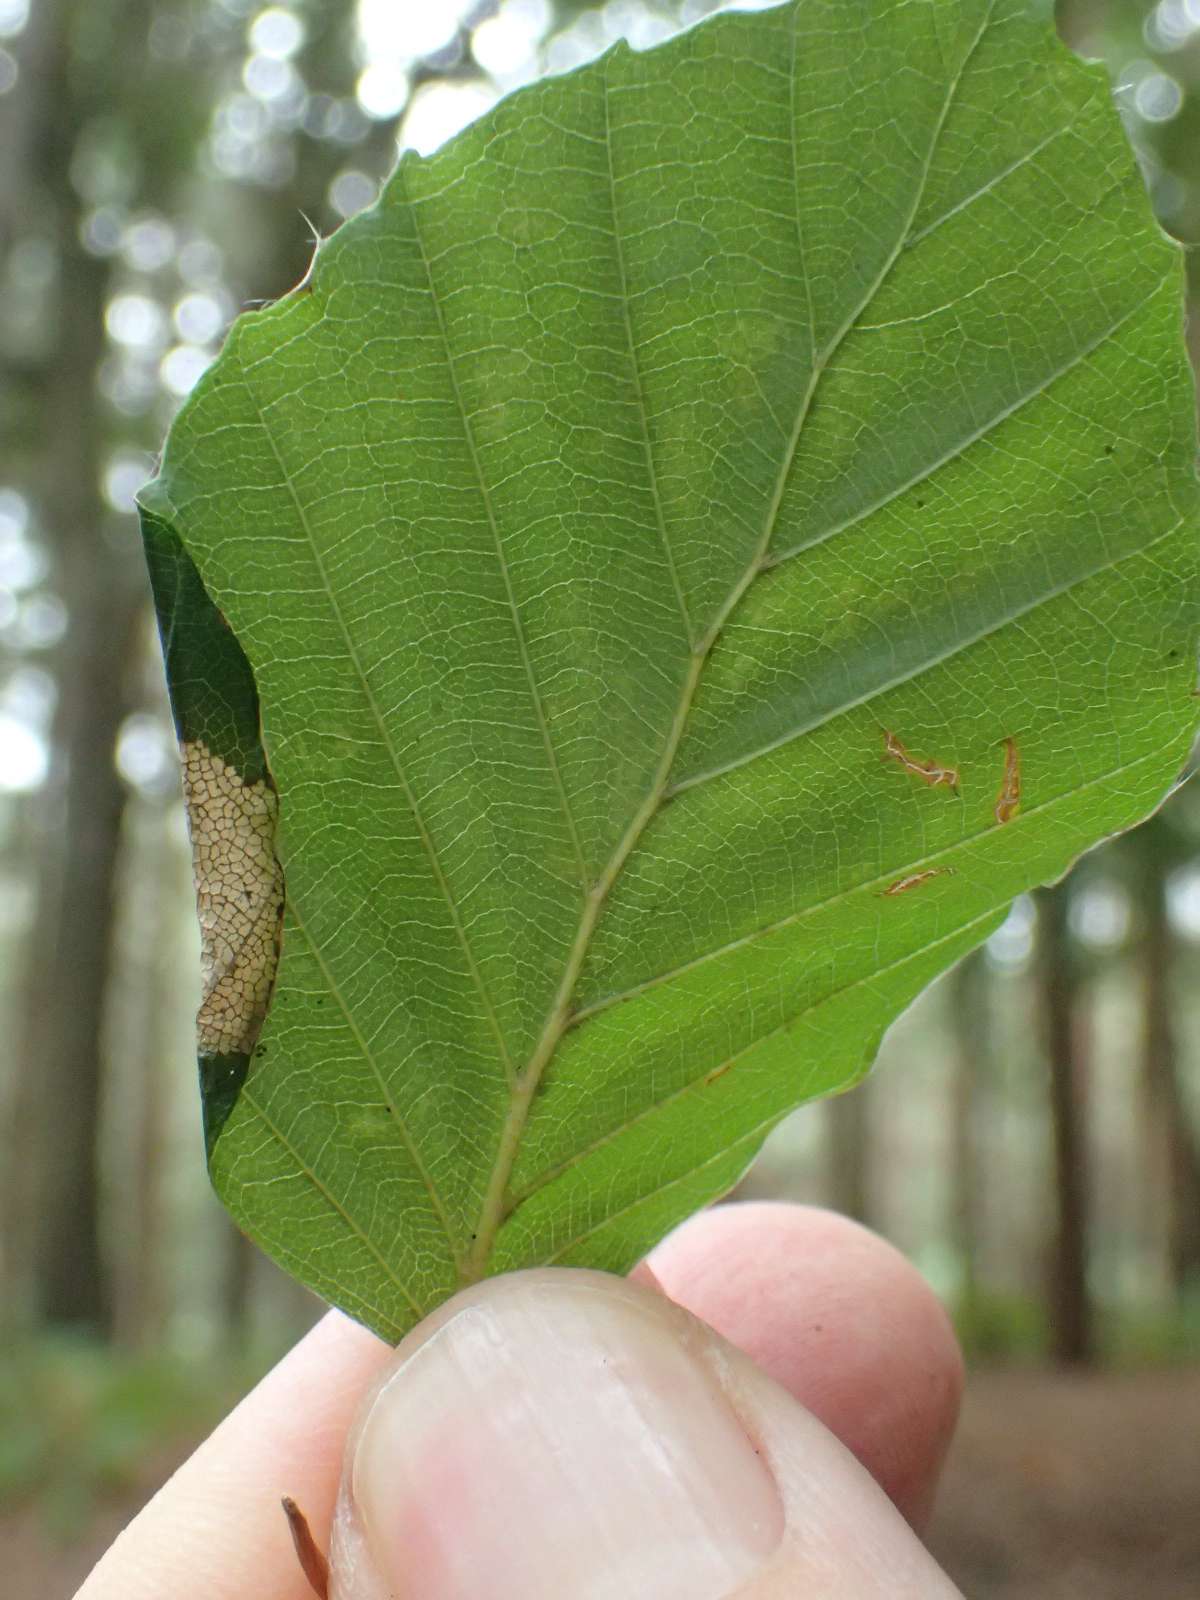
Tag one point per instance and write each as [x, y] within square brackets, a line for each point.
[102, 589]
[849, 1153]
[71, 943]
[138, 1138]
[1071, 1316]
[1168, 1116]
[237, 1284]
[968, 999]
[21, 115]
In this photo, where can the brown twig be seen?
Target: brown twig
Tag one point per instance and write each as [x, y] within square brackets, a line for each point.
[312, 1563]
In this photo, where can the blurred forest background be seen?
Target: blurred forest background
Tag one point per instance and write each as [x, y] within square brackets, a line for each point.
[1032, 1135]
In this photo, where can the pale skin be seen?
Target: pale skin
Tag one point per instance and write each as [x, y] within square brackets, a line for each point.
[836, 1374]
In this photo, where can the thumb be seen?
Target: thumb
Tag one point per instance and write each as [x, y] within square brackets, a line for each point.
[556, 1433]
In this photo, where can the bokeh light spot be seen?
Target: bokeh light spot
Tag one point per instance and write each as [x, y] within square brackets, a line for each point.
[14, 515]
[146, 755]
[135, 320]
[1183, 901]
[352, 191]
[182, 368]
[24, 756]
[1100, 916]
[148, 244]
[101, 231]
[22, 565]
[269, 79]
[1012, 943]
[276, 33]
[1171, 24]
[1158, 97]
[407, 30]
[14, 14]
[200, 262]
[123, 477]
[505, 45]
[198, 318]
[41, 622]
[440, 110]
[382, 90]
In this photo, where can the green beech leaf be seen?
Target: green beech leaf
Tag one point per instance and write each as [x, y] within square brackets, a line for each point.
[698, 547]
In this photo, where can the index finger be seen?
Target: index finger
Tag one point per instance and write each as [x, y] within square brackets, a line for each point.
[215, 1531]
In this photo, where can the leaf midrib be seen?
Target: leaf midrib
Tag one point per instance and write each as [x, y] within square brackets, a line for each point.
[496, 1199]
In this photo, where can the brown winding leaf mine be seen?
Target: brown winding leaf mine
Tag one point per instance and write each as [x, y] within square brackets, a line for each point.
[903, 885]
[929, 772]
[239, 898]
[1009, 799]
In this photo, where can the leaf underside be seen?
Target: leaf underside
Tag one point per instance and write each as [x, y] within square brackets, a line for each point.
[584, 524]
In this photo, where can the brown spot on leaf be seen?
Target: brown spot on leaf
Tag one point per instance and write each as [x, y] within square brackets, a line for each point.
[930, 772]
[1008, 801]
[239, 898]
[914, 879]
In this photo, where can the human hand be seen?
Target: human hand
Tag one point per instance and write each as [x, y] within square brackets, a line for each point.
[562, 1435]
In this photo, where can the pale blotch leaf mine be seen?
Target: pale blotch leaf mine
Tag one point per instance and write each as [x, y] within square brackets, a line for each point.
[239, 898]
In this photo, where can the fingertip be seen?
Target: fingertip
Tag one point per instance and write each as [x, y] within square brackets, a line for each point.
[838, 1317]
[628, 1448]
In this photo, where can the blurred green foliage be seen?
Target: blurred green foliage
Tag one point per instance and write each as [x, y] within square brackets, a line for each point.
[81, 1422]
